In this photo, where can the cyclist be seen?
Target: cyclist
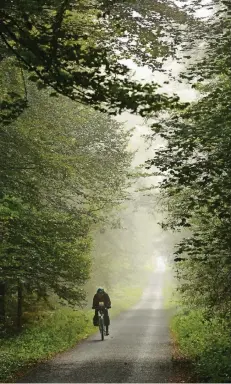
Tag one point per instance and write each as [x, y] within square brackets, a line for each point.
[100, 296]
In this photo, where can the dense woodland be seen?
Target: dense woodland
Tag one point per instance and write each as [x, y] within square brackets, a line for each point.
[195, 164]
[64, 161]
[65, 168]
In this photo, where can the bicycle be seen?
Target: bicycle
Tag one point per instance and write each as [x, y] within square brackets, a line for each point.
[102, 329]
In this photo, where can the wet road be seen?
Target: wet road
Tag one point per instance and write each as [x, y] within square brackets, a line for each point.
[137, 350]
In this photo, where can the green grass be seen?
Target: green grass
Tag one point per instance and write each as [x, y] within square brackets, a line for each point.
[170, 299]
[58, 331]
[124, 298]
[169, 290]
[206, 343]
[201, 343]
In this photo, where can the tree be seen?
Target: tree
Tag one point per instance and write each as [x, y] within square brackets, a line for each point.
[196, 168]
[63, 169]
[145, 31]
[54, 41]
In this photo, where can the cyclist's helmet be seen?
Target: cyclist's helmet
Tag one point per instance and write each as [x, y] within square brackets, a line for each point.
[100, 290]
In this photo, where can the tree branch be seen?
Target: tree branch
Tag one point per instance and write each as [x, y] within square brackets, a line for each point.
[56, 28]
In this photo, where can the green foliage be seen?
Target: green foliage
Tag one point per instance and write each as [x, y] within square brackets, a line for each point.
[206, 343]
[44, 249]
[195, 166]
[64, 168]
[69, 46]
[146, 31]
[197, 187]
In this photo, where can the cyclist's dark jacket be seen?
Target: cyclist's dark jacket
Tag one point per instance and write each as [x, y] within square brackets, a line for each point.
[105, 298]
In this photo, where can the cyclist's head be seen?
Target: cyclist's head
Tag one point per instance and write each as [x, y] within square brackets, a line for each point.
[100, 291]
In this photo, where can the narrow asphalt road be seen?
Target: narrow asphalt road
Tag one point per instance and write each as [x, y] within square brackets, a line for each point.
[137, 350]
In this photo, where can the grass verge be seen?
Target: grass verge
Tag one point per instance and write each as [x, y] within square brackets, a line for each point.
[58, 331]
[169, 291]
[182, 371]
[205, 343]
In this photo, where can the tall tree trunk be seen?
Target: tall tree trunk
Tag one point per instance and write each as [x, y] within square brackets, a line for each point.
[2, 304]
[20, 300]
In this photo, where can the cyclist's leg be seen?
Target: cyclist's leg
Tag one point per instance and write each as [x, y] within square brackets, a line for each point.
[95, 319]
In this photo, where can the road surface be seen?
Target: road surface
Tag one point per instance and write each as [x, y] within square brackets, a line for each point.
[137, 350]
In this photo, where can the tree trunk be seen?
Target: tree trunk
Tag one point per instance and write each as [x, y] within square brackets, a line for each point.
[20, 299]
[2, 304]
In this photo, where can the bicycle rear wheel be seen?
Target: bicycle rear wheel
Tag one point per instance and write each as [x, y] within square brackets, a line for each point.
[101, 328]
